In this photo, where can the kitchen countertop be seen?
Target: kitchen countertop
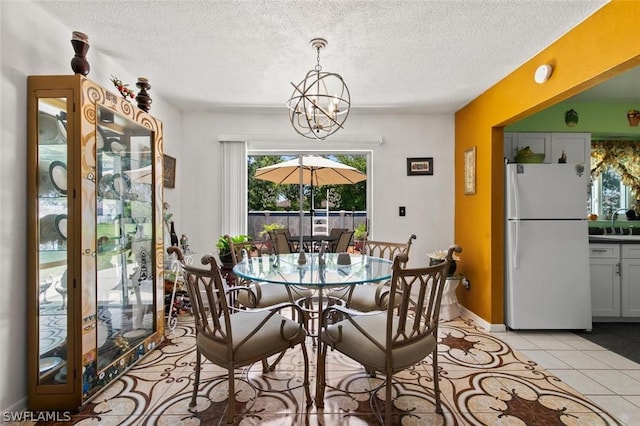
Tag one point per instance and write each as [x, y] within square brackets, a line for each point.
[615, 239]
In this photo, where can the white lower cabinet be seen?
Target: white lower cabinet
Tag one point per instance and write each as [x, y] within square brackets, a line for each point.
[604, 263]
[630, 280]
[615, 280]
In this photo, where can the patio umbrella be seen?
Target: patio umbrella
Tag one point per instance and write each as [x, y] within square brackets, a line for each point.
[310, 170]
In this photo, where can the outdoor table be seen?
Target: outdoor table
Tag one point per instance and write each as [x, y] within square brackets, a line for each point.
[315, 240]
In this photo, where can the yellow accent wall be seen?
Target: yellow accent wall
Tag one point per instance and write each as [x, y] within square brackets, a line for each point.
[603, 45]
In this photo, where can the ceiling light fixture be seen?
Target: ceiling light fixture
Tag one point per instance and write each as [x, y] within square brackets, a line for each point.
[320, 103]
[543, 72]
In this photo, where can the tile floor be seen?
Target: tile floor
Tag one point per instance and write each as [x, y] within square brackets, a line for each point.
[511, 378]
[603, 377]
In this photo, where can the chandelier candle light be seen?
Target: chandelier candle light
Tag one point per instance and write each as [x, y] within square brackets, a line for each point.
[319, 104]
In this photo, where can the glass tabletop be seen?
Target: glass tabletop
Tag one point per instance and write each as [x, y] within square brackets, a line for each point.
[284, 269]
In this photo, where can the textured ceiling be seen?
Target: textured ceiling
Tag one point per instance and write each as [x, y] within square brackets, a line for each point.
[419, 55]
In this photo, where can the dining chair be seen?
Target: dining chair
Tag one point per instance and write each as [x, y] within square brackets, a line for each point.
[373, 297]
[260, 294]
[392, 340]
[232, 338]
[334, 235]
[342, 243]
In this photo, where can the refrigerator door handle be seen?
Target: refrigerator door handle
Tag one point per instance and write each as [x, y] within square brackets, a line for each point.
[516, 244]
[516, 215]
[516, 195]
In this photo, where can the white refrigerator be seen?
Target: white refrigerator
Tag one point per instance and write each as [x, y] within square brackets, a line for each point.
[547, 280]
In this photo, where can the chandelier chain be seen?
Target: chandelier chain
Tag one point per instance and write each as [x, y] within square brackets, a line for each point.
[318, 66]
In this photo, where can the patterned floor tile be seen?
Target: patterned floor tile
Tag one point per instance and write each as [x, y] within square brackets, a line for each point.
[504, 399]
[483, 381]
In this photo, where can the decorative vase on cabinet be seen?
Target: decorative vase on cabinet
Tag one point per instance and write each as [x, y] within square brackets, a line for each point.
[94, 232]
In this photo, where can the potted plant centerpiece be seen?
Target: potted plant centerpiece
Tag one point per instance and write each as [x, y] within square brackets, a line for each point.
[359, 235]
[438, 256]
[224, 250]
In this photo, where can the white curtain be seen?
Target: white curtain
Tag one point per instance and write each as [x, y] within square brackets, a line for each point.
[234, 187]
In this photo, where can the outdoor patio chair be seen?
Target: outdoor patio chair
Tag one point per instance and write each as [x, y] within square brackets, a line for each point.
[280, 238]
[334, 235]
[390, 341]
[342, 243]
[232, 338]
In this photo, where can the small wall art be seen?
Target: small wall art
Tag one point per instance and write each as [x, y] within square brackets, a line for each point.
[169, 171]
[419, 166]
[470, 171]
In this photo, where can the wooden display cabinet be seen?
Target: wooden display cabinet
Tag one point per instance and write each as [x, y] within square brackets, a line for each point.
[95, 239]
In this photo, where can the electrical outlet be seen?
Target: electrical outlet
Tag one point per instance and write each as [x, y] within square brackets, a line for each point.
[402, 211]
[466, 284]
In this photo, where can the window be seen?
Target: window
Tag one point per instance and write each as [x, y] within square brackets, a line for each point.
[236, 148]
[608, 193]
[616, 167]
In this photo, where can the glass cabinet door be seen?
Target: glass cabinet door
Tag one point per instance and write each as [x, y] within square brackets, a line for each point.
[53, 209]
[125, 251]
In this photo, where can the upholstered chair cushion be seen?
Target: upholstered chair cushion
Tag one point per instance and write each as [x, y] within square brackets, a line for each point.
[268, 295]
[277, 334]
[353, 343]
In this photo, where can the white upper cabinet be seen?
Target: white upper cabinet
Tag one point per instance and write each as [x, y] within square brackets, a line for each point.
[576, 146]
[540, 143]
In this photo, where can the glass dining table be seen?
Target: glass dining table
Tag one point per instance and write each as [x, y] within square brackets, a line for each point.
[334, 271]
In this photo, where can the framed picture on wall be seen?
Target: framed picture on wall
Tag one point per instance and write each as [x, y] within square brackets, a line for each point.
[169, 171]
[419, 166]
[470, 171]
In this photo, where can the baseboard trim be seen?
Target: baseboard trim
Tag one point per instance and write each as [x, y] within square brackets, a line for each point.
[486, 326]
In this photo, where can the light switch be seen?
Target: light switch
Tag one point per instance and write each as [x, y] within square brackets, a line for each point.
[402, 211]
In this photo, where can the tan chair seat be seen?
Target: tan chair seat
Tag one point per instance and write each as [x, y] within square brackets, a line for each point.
[364, 297]
[277, 334]
[270, 294]
[353, 343]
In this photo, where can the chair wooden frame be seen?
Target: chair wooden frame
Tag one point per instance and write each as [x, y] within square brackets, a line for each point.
[392, 340]
[233, 338]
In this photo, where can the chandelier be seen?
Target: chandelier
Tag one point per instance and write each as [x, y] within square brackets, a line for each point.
[319, 104]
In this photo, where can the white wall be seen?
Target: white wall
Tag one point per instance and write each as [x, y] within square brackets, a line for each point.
[429, 200]
[33, 43]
